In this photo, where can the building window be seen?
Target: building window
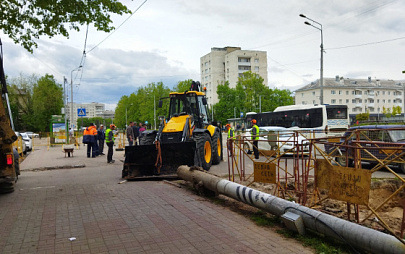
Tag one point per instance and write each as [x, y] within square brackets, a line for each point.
[256, 68]
[383, 92]
[347, 92]
[333, 101]
[389, 92]
[340, 101]
[354, 109]
[353, 100]
[332, 92]
[313, 102]
[353, 92]
[244, 68]
[313, 93]
[383, 100]
[243, 60]
[302, 94]
[340, 91]
[347, 100]
[256, 60]
[378, 100]
[389, 101]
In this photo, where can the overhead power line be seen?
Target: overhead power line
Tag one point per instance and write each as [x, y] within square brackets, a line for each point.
[366, 44]
[118, 26]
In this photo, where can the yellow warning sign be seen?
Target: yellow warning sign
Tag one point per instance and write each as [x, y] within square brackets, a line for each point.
[264, 172]
[344, 183]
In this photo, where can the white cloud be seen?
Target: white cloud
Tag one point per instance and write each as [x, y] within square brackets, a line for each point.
[164, 41]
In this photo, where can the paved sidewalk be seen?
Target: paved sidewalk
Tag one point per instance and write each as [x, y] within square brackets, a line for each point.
[85, 210]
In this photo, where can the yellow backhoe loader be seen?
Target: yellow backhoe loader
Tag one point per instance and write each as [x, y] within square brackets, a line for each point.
[186, 137]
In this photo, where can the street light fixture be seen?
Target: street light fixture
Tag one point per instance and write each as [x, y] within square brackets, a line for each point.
[71, 96]
[319, 27]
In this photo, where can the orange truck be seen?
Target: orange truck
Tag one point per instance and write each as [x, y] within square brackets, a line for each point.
[9, 167]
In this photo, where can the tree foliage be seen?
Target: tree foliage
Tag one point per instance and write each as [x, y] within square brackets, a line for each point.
[24, 21]
[47, 100]
[21, 102]
[140, 106]
[183, 86]
[250, 95]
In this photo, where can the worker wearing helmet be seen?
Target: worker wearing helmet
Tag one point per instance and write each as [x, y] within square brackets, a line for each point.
[255, 137]
[231, 138]
[109, 140]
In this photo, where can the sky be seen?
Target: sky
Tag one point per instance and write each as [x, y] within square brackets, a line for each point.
[164, 40]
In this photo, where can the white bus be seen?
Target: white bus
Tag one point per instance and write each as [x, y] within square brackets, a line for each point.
[330, 119]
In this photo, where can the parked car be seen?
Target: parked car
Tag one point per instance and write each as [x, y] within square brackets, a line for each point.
[384, 142]
[21, 145]
[277, 138]
[27, 140]
[32, 134]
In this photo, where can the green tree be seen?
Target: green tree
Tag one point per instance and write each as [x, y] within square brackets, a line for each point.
[21, 103]
[249, 88]
[387, 112]
[228, 106]
[182, 86]
[396, 110]
[47, 101]
[25, 21]
[363, 116]
[250, 93]
[138, 106]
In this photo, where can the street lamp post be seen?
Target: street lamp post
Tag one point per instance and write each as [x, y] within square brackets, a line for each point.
[71, 96]
[260, 104]
[154, 111]
[320, 29]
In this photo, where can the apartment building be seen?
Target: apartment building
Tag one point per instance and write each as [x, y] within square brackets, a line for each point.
[227, 64]
[93, 109]
[360, 95]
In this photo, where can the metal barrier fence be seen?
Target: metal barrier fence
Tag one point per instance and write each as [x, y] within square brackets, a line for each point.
[312, 171]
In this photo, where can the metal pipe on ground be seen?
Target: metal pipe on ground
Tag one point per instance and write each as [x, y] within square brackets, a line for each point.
[356, 235]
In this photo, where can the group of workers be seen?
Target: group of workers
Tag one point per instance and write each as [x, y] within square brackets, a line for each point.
[254, 134]
[95, 141]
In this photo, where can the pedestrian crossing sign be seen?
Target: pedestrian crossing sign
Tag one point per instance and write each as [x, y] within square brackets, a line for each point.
[81, 112]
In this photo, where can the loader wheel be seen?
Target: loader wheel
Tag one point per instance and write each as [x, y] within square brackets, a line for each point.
[204, 151]
[216, 149]
[7, 187]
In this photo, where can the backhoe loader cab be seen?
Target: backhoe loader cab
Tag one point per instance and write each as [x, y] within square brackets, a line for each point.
[185, 137]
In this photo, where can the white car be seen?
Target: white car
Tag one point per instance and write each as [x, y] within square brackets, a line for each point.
[27, 140]
[32, 134]
[21, 145]
[276, 138]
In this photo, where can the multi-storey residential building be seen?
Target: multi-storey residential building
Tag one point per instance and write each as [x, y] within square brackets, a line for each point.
[227, 64]
[93, 109]
[360, 95]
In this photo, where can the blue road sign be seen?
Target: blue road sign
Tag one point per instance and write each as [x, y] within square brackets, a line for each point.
[81, 112]
[241, 114]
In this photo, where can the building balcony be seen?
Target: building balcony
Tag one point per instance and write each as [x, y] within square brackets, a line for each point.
[398, 96]
[357, 96]
[244, 64]
[370, 105]
[371, 95]
[358, 105]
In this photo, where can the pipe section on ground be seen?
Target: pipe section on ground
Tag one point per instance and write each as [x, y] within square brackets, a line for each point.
[356, 235]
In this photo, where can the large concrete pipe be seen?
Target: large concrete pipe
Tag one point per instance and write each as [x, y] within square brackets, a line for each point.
[356, 235]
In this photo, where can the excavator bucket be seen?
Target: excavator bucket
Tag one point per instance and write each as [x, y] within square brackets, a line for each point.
[143, 161]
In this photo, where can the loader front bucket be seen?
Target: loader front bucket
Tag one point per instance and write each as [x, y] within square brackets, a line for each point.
[140, 160]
